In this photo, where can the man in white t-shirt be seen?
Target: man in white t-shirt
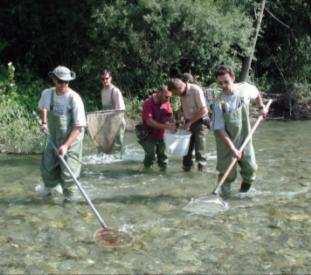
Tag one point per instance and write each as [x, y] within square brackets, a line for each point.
[194, 110]
[63, 118]
[112, 99]
[231, 126]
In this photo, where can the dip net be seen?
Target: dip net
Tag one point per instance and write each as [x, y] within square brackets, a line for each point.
[111, 238]
[207, 206]
[103, 127]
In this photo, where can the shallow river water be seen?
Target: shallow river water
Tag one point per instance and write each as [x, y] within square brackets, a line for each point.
[267, 231]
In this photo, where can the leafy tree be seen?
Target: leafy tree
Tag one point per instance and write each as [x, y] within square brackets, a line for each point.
[283, 52]
[145, 41]
[42, 34]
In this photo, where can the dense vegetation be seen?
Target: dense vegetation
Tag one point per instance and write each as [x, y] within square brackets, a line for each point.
[143, 42]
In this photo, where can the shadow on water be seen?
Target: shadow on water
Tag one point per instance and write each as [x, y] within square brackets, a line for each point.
[143, 199]
[32, 200]
[127, 199]
[113, 173]
[19, 160]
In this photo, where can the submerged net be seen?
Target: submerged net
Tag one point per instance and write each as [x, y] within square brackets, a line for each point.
[207, 206]
[103, 126]
[110, 238]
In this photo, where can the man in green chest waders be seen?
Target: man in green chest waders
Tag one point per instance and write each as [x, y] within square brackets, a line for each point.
[112, 99]
[231, 126]
[63, 117]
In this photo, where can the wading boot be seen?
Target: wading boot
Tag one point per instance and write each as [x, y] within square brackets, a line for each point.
[68, 193]
[225, 190]
[44, 191]
[244, 187]
[186, 168]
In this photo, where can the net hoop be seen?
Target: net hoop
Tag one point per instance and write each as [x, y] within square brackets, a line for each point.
[112, 238]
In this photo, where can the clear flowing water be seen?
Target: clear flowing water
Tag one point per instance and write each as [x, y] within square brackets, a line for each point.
[267, 231]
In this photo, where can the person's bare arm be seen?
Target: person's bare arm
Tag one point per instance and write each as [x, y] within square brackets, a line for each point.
[43, 118]
[43, 115]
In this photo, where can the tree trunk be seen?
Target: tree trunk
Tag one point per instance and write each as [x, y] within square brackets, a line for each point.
[248, 61]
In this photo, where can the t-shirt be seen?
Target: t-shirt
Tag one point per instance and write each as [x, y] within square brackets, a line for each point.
[112, 96]
[62, 104]
[161, 113]
[244, 93]
[192, 100]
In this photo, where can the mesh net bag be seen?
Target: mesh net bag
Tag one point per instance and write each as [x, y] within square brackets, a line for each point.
[111, 238]
[103, 126]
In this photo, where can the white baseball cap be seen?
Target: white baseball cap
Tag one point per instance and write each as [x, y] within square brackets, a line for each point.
[63, 73]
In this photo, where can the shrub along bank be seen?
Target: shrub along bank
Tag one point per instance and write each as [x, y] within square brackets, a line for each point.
[19, 130]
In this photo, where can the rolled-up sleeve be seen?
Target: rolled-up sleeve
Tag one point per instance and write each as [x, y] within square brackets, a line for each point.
[45, 99]
[118, 100]
[78, 112]
[199, 99]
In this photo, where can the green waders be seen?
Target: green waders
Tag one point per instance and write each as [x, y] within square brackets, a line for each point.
[197, 143]
[237, 127]
[52, 170]
[118, 141]
[153, 148]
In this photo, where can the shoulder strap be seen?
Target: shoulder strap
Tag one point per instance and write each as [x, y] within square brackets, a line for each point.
[52, 100]
[111, 97]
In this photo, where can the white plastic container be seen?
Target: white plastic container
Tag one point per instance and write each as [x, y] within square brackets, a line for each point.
[177, 144]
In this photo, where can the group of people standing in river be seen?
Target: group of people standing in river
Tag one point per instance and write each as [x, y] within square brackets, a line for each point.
[63, 118]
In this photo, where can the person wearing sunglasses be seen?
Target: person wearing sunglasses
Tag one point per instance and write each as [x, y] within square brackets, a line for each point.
[231, 126]
[156, 116]
[194, 109]
[112, 99]
[63, 119]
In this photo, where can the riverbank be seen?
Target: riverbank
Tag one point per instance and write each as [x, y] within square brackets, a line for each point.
[19, 132]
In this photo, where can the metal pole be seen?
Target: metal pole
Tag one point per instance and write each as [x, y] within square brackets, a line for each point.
[99, 218]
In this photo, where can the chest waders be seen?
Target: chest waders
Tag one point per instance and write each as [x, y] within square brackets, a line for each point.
[237, 127]
[118, 141]
[52, 170]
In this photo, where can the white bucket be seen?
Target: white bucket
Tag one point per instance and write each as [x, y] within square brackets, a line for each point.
[177, 143]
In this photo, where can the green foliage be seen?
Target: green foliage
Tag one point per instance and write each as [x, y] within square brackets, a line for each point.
[133, 107]
[144, 42]
[283, 52]
[301, 92]
[19, 131]
[44, 34]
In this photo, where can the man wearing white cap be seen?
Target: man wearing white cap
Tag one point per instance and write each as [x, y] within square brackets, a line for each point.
[63, 116]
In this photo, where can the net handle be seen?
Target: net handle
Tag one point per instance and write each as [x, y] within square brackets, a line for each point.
[89, 202]
[234, 160]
